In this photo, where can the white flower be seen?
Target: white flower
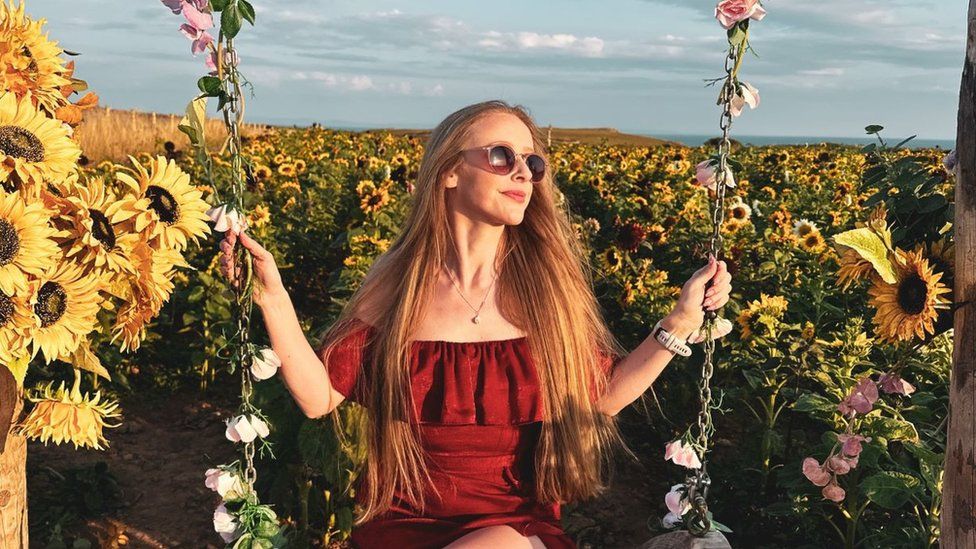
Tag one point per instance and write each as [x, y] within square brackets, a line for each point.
[721, 328]
[803, 227]
[706, 174]
[246, 428]
[671, 520]
[226, 219]
[745, 95]
[682, 454]
[224, 482]
[225, 524]
[265, 364]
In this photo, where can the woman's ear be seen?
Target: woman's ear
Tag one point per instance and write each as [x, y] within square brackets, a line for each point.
[449, 178]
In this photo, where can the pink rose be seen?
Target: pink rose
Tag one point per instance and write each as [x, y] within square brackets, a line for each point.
[833, 492]
[730, 12]
[815, 473]
[893, 383]
[682, 454]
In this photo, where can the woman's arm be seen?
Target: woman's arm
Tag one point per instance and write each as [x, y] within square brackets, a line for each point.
[301, 368]
[635, 372]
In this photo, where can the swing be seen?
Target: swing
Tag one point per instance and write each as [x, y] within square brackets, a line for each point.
[701, 533]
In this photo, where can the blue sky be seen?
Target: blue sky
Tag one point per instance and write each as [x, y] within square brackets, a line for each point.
[826, 67]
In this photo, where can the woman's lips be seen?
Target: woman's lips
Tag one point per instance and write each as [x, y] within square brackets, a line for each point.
[515, 195]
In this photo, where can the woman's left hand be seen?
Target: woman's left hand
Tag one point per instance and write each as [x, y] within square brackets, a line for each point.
[695, 299]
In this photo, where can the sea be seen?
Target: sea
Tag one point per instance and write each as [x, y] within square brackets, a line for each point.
[694, 140]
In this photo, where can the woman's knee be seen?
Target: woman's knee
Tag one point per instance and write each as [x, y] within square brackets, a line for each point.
[491, 537]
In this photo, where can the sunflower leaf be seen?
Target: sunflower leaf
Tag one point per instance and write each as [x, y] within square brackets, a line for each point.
[869, 246]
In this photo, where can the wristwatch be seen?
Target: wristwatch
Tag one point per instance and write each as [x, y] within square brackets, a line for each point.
[670, 341]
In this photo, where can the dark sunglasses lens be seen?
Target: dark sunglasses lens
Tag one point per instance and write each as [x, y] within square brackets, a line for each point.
[501, 157]
[537, 166]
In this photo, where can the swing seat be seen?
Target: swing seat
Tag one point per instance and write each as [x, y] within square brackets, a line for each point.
[682, 539]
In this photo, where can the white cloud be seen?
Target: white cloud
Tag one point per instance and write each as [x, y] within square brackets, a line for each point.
[826, 71]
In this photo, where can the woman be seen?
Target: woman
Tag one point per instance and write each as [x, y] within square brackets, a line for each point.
[479, 349]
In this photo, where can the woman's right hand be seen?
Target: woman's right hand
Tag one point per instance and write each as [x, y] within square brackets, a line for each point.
[267, 280]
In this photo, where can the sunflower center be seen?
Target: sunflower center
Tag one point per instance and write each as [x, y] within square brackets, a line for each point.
[6, 310]
[9, 242]
[912, 294]
[51, 303]
[812, 240]
[102, 229]
[163, 203]
[21, 143]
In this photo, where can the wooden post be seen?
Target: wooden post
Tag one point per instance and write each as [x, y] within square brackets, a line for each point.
[959, 480]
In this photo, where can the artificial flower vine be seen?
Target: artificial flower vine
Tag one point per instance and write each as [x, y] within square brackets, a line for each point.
[686, 502]
[241, 520]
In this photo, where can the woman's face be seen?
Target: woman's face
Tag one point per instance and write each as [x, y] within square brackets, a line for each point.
[480, 193]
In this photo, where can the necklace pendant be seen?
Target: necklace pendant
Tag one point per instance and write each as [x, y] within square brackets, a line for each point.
[476, 319]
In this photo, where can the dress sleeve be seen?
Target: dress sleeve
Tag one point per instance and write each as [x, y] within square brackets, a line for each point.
[607, 362]
[346, 361]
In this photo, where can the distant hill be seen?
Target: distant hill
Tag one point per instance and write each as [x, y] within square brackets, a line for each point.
[590, 136]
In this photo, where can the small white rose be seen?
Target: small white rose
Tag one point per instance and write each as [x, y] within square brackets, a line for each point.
[260, 427]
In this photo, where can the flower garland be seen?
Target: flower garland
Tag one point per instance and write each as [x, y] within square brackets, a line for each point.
[686, 502]
[241, 520]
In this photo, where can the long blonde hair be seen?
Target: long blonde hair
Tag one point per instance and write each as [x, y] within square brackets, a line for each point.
[545, 287]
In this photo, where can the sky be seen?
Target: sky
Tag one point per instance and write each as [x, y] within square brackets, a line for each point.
[824, 67]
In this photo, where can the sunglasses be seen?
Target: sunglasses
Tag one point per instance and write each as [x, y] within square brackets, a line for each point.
[501, 160]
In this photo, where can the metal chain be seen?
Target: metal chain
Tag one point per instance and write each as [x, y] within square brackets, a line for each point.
[698, 484]
[233, 112]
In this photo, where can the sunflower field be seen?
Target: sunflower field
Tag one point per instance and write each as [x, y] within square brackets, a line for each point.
[833, 381]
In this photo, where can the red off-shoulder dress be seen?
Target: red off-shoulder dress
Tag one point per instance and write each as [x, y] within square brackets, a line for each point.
[480, 413]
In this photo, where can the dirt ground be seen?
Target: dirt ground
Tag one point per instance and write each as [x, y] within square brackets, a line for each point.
[163, 447]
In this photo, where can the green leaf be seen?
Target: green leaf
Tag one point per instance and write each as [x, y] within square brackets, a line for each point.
[889, 489]
[873, 128]
[812, 402]
[193, 123]
[219, 5]
[230, 21]
[209, 85]
[870, 246]
[247, 10]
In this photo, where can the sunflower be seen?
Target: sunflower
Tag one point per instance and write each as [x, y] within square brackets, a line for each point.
[941, 254]
[739, 213]
[145, 294]
[373, 198]
[812, 242]
[853, 267]
[88, 236]
[66, 301]
[610, 259]
[262, 172]
[171, 210]
[33, 147]
[907, 307]
[803, 227]
[16, 323]
[287, 169]
[26, 245]
[764, 312]
[68, 416]
[31, 64]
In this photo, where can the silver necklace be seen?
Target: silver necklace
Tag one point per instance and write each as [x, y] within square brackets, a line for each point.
[477, 312]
